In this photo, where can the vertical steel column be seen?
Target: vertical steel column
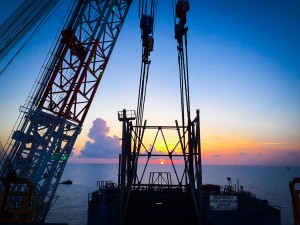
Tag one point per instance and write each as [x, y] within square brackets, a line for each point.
[123, 165]
[199, 167]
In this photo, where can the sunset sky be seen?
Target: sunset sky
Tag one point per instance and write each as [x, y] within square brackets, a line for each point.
[244, 67]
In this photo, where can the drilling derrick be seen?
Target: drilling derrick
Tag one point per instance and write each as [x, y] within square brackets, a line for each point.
[53, 115]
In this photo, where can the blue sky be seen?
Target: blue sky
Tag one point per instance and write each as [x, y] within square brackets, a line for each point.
[244, 77]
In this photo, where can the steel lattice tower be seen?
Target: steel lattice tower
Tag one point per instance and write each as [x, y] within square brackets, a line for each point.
[54, 114]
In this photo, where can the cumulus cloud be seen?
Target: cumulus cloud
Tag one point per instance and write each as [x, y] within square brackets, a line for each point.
[101, 145]
[154, 150]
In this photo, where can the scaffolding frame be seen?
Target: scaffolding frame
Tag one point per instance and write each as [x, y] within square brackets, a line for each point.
[134, 150]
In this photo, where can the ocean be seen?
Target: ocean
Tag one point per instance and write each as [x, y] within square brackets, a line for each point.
[266, 182]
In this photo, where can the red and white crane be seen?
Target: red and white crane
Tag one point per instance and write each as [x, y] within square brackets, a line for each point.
[53, 115]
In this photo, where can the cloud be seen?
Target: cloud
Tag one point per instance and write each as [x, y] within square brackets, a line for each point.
[286, 157]
[292, 154]
[217, 156]
[273, 143]
[101, 145]
[154, 150]
[243, 154]
[259, 155]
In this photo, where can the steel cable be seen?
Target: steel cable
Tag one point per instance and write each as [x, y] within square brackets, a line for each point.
[28, 15]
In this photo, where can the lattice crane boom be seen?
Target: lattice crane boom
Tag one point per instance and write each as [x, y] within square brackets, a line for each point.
[43, 142]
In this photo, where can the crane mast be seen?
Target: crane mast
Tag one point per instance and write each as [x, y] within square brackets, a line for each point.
[52, 119]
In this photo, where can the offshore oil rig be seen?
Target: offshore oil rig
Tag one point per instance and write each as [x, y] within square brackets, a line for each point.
[34, 158]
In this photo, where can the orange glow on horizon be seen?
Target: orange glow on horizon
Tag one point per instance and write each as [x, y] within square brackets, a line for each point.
[226, 149]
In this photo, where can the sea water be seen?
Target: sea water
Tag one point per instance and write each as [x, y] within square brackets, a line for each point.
[266, 182]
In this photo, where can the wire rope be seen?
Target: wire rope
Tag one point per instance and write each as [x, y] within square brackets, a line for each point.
[17, 30]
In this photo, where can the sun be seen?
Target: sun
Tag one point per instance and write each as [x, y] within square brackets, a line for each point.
[162, 162]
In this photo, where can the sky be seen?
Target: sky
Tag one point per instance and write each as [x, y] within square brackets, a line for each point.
[244, 69]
